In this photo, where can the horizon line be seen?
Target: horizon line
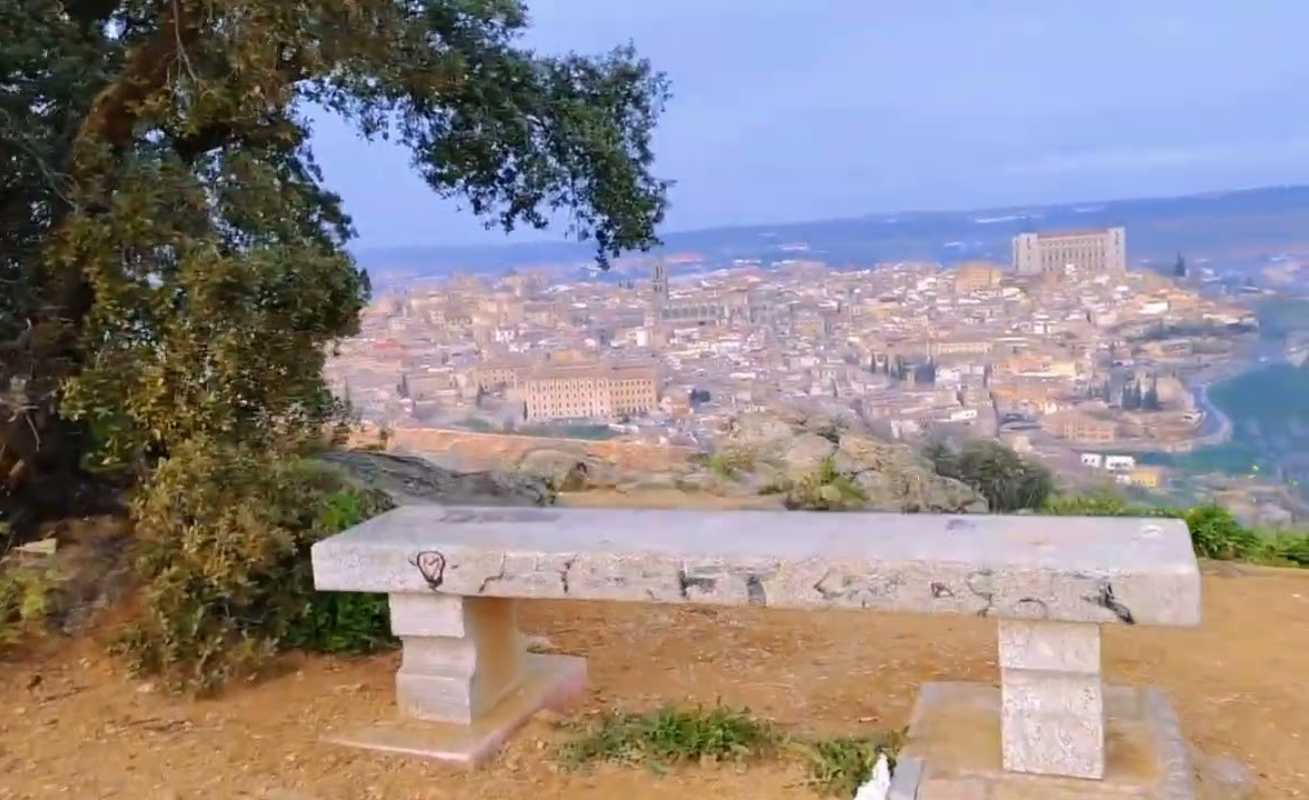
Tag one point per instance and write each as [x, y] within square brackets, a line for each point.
[852, 218]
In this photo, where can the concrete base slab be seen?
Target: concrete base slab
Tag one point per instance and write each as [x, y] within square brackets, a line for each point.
[954, 751]
[550, 681]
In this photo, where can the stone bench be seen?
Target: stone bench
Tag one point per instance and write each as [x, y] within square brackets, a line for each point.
[455, 574]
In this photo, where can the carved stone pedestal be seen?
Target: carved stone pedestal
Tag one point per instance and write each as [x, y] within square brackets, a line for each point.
[1052, 704]
[955, 750]
[466, 681]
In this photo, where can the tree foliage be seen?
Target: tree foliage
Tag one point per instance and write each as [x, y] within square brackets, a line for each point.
[171, 263]
[1008, 481]
[223, 538]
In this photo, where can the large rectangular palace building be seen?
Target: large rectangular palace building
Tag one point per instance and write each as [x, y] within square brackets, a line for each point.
[1085, 251]
[590, 391]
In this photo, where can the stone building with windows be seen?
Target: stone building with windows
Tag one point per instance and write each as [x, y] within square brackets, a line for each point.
[1081, 427]
[1086, 252]
[590, 391]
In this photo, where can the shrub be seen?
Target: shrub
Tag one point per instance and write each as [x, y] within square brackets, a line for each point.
[1103, 504]
[1215, 533]
[25, 594]
[838, 767]
[1100, 504]
[223, 537]
[344, 622]
[1288, 549]
[1008, 481]
[731, 462]
[825, 489]
[668, 736]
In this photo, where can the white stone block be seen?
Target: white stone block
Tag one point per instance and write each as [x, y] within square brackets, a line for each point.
[438, 655]
[1052, 701]
[428, 614]
[458, 678]
[1053, 725]
[436, 698]
[1057, 646]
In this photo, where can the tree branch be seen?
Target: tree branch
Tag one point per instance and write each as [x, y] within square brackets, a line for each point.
[116, 109]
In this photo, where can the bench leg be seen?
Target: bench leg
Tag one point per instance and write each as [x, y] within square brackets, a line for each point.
[1052, 704]
[462, 655]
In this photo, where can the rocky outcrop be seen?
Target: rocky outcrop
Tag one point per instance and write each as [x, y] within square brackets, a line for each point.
[410, 479]
[805, 454]
[799, 460]
[818, 461]
[568, 471]
[895, 478]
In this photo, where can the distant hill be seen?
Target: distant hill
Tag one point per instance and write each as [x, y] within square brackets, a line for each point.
[1230, 230]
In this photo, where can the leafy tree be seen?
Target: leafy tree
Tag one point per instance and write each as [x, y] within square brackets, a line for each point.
[171, 263]
[944, 457]
[1151, 402]
[173, 271]
[1131, 396]
[1008, 481]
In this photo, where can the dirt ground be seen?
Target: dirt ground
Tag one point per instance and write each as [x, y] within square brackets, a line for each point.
[74, 726]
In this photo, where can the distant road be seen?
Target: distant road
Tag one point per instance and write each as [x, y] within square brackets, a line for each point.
[1263, 355]
[1212, 414]
[1216, 429]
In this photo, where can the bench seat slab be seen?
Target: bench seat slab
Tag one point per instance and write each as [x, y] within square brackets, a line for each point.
[1112, 571]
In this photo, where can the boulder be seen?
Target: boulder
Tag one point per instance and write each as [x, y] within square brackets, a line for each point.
[654, 481]
[758, 431]
[700, 482]
[410, 479]
[915, 490]
[791, 447]
[805, 454]
[568, 471]
[897, 479]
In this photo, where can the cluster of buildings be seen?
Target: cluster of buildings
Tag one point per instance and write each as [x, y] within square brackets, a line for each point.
[1061, 350]
[1124, 470]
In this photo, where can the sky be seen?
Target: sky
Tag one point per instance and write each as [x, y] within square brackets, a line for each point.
[811, 109]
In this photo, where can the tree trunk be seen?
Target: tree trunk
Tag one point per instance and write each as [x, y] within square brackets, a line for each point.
[41, 473]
